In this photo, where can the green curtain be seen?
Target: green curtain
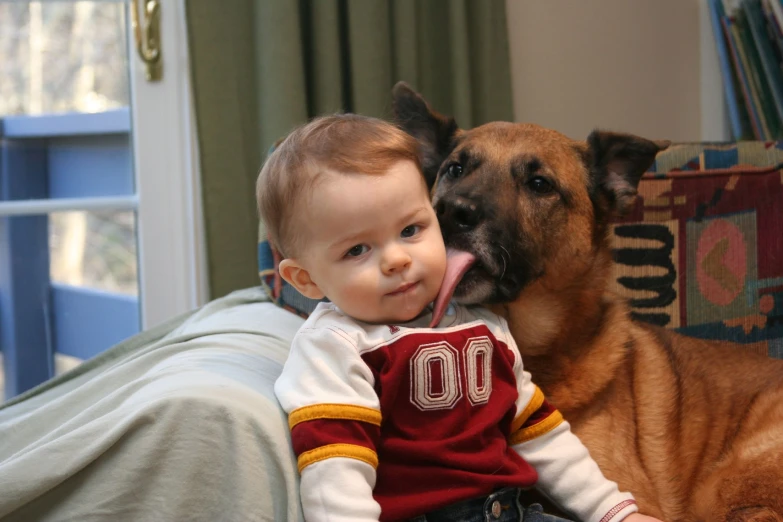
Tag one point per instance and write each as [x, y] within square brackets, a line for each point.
[261, 67]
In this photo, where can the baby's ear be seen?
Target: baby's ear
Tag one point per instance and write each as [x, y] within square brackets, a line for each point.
[299, 278]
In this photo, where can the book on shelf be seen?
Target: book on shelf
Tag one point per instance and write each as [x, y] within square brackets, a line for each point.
[738, 115]
[749, 39]
[769, 62]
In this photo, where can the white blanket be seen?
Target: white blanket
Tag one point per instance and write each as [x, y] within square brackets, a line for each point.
[179, 423]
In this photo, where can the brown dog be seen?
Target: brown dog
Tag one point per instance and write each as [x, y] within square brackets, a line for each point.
[693, 429]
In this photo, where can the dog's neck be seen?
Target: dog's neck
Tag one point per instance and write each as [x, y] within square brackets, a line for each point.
[562, 336]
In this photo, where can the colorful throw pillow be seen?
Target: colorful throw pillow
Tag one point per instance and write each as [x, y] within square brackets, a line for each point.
[702, 250]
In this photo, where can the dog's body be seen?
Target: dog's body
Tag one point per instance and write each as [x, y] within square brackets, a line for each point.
[693, 429]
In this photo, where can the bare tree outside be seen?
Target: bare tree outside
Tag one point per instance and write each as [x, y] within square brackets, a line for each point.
[62, 57]
[59, 57]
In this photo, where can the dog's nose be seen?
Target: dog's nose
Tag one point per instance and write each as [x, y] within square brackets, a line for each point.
[459, 213]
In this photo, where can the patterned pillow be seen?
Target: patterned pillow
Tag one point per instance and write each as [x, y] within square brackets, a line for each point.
[701, 251]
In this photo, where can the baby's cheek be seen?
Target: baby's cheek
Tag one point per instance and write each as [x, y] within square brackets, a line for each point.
[436, 268]
[362, 285]
[362, 298]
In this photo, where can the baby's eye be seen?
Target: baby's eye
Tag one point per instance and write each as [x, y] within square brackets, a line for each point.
[357, 250]
[410, 231]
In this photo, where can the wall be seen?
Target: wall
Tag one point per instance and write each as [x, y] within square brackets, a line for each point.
[646, 66]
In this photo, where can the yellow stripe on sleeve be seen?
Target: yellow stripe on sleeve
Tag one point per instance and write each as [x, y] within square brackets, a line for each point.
[536, 430]
[334, 411]
[535, 403]
[329, 451]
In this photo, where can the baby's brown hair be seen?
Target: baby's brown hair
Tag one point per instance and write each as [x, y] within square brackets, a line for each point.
[345, 143]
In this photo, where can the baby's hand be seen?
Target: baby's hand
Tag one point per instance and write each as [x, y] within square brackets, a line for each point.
[636, 517]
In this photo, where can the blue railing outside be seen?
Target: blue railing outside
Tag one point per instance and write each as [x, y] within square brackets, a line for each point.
[50, 157]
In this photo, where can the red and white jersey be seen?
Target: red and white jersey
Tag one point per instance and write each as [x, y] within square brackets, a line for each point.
[393, 421]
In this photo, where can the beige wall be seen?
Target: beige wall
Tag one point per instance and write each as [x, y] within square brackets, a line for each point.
[636, 66]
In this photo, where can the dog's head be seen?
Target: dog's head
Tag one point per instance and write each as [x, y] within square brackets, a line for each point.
[528, 202]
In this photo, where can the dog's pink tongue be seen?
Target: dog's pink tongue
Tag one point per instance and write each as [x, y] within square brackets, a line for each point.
[457, 263]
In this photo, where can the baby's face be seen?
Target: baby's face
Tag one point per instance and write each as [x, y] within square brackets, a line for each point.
[373, 245]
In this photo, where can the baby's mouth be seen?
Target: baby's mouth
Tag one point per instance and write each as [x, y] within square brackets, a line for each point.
[403, 288]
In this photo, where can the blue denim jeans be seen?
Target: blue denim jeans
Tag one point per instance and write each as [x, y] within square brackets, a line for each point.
[501, 506]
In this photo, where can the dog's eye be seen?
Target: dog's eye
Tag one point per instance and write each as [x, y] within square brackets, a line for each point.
[540, 185]
[454, 170]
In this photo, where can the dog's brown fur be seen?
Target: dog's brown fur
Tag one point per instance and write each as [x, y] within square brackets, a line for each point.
[693, 429]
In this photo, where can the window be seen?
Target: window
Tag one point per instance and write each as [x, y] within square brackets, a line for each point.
[100, 230]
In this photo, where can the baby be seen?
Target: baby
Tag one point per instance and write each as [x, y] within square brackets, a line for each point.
[393, 418]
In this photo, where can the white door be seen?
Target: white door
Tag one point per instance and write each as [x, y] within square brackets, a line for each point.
[100, 221]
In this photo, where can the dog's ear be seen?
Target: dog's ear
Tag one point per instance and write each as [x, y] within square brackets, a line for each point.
[433, 131]
[616, 163]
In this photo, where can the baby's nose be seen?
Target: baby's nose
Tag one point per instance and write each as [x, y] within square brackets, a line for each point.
[395, 258]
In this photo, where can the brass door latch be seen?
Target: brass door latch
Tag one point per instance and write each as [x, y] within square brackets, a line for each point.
[146, 32]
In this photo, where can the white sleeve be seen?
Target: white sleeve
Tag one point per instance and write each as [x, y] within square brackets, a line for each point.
[339, 489]
[566, 472]
[571, 478]
[334, 415]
